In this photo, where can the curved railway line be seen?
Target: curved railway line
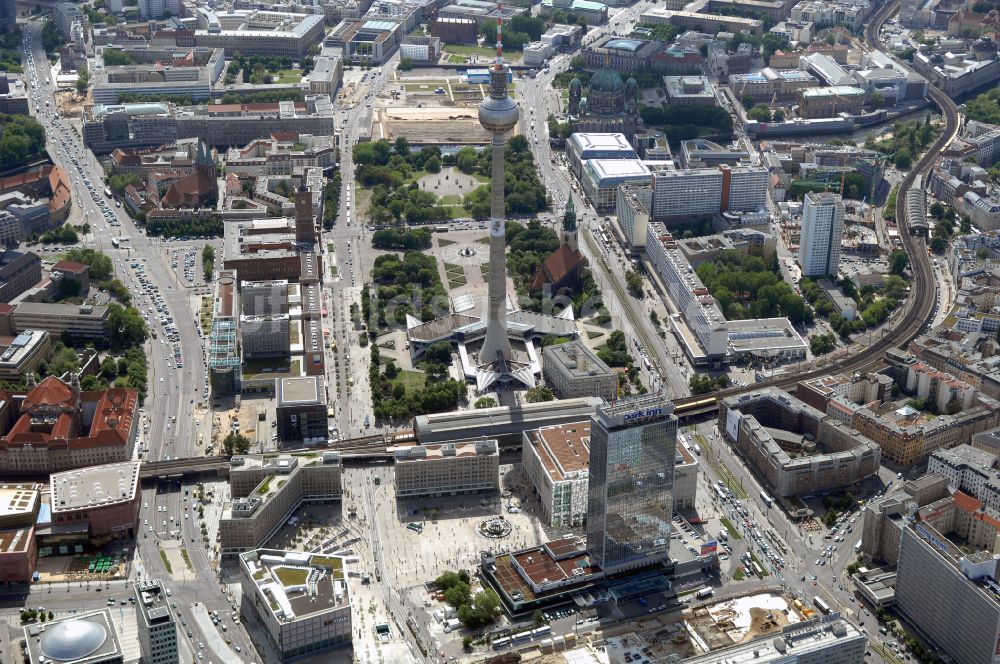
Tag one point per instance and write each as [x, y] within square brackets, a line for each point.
[916, 314]
[923, 296]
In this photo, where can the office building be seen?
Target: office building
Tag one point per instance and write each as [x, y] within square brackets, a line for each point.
[267, 250]
[8, 15]
[593, 13]
[65, 14]
[556, 461]
[970, 469]
[265, 336]
[264, 298]
[266, 492]
[19, 509]
[685, 479]
[707, 337]
[301, 413]
[156, 622]
[23, 354]
[184, 72]
[302, 600]
[630, 494]
[106, 127]
[326, 75]
[258, 31]
[602, 177]
[152, 9]
[950, 595]
[583, 146]
[821, 234]
[221, 125]
[19, 271]
[100, 501]
[447, 469]
[57, 427]
[504, 423]
[366, 41]
[690, 91]
[883, 519]
[957, 73]
[830, 102]
[573, 370]
[89, 637]
[796, 448]
[705, 22]
[79, 321]
[828, 639]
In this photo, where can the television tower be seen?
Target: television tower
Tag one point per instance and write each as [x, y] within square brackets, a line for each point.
[498, 114]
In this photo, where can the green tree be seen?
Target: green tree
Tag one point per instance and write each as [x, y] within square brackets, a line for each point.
[760, 113]
[633, 281]
[877, 100]
[898, 262]
[903, 159]
[440, 352]
[235, 443]
[485, 402]
[82, 81]
[539, 394]
[458, 595]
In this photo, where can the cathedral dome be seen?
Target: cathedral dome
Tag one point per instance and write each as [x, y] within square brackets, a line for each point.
[606, 80]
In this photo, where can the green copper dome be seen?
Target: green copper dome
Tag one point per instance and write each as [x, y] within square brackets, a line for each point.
[606, 80]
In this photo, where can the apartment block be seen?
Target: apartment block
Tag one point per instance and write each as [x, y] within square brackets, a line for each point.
[883, 519]
[23, 354]
[821, 234]
[556, 461]
[798, 449]
[19, 271]
[971, 470]
[266, 492]
[447, 469]
[80, 321]
[950, 595]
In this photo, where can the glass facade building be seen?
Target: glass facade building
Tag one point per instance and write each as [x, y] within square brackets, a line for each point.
[630, 495]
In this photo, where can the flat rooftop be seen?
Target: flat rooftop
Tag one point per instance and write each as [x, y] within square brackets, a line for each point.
[95, 486]
[439, 451]
[295, 584]
[15, 540]
[301, 391]
[596, 141]
[564, 449]
[17, 499]
[577, 359]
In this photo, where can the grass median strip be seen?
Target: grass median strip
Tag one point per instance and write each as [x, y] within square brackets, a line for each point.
[166, 563]
[733, 532]
[187, 559]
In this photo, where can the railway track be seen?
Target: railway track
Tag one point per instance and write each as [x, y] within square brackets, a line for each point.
[920, 305]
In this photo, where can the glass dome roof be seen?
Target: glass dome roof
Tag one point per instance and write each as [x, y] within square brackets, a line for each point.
[72, 639]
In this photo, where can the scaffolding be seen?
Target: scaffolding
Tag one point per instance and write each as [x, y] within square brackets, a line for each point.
[224, 358]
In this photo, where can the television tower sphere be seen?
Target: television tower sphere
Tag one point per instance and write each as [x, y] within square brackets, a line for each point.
[498, 113]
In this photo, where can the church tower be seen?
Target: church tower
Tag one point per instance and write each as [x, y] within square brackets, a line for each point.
[568, 235]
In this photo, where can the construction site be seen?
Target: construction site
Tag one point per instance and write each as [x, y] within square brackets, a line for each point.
[431, 110]
[668, 635]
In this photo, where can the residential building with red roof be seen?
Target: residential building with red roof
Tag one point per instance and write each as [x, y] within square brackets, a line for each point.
[57, 427]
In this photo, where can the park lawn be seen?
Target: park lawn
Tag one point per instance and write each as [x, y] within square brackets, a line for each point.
[410, 380]
[287, 76]
[484, 269]
[455, 274]
[457, 59]
[483, 240]
[465, 49]
[443, 242]
[450, 199]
